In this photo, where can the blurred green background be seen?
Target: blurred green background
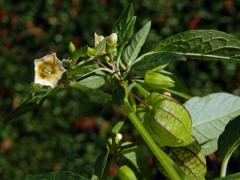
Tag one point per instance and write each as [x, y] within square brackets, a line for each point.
[69, 129]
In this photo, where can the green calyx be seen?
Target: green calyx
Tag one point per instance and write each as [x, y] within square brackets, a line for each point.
[168, 122]
[190, 159]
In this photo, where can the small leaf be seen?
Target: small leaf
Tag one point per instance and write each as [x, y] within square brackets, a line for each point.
[117, 127]
[82, 52]
[210, 115]
[93, 82]
[126, 173]
[80, 71]
[208, 45]
[95, 94]
[190, 159]
[167, 121]
[132, 50]
[137, 155]
[101, 162]
[63, 175]
[127, 32]
[152, 60]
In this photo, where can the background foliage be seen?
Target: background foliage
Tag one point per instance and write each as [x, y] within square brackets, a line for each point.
[68, 130]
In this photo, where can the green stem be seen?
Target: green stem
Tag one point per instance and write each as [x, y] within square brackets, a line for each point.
[227, 157]
[140, 89]
[162, 157]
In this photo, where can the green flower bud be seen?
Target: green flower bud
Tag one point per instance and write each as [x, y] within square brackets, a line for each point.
[71, 47]
[155, 80]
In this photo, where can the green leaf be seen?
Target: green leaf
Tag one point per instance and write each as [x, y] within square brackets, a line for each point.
[96, 95]
[127, 32]
[124, 18]
[101, 162]
[93, 82]
[152, 60]
[126, 173]
[63, 175]
[167, 121]
[81, 52]
[132, 50]
[190, 159]
[80, 71]
[208, 45]
[210, 115]
[137, 155]
[117, 127]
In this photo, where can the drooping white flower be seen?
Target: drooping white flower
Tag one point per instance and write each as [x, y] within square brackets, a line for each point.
[48, 70]
[97, 39]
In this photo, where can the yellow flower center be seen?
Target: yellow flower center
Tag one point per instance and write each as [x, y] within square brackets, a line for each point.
[46, 69]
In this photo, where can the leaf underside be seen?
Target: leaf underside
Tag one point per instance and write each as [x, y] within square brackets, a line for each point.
[210, 115]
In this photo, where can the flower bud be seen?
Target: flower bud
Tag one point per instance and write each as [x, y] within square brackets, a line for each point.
[71, 47]
[112, 40]
[118, 137]
[98, 39]
[156, 80]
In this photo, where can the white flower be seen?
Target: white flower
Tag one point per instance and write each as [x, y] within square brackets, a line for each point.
[98, 39]
[118, 137]
[48, 70]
